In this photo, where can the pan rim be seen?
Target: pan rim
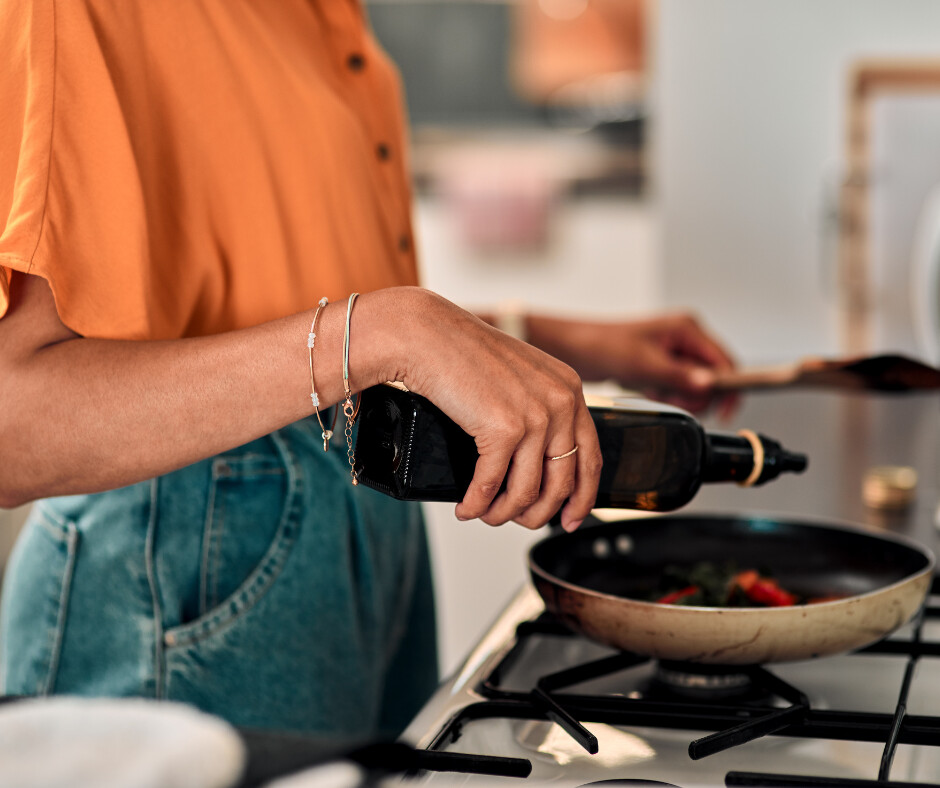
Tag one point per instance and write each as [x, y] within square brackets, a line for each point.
[798, 520]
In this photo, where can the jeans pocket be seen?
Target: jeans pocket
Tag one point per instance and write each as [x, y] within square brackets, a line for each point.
[250, 528]
[35, 603]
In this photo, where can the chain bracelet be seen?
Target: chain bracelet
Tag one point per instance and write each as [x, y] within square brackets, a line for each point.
[350, 413]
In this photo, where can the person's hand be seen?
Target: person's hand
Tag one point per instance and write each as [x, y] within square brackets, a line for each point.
[670, 358]
[520, 405]
[674, 359]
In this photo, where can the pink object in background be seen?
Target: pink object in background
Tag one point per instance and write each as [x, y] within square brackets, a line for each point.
[499, 200]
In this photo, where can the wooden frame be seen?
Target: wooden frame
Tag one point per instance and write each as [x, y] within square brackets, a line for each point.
[869, 79]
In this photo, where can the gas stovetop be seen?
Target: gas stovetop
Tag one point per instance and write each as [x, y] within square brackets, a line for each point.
[538, 704]
[871, 714]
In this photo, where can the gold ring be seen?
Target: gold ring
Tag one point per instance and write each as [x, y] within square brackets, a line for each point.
[562, 456]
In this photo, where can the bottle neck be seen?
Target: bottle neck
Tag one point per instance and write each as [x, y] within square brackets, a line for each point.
[748, 459]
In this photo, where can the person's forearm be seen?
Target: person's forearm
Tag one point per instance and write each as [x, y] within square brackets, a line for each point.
[559, 337]
[568, 340]
[81, 415]
[84, 415]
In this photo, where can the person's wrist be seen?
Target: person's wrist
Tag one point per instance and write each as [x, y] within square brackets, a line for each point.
[378, 336]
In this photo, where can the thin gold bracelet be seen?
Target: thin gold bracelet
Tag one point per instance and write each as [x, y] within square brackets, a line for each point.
[350, 411]
[311, 341]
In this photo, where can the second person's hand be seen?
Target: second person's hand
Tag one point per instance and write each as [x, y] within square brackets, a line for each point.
[670, 358]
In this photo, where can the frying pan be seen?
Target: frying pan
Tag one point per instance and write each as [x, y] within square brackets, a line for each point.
[595, 581]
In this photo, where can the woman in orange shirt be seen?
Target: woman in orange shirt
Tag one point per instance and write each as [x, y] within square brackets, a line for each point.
[182, 183]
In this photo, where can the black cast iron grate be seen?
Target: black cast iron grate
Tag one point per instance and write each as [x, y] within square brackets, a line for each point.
[732, 722]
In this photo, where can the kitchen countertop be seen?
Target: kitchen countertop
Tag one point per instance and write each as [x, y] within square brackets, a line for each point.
[844, 436]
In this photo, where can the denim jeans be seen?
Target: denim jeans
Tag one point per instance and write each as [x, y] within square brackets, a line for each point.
[258, 585]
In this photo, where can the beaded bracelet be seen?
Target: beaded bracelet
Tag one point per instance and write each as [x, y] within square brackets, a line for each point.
[349, 411]
[311, 341]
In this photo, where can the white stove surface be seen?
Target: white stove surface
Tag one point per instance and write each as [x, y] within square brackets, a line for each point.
[660, 755]
[861, 682]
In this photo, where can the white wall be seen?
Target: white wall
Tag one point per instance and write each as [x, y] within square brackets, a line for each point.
[748, 106]
[599, 260]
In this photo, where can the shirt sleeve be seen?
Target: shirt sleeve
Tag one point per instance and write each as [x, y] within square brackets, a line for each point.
[69, 181]
[27, 97]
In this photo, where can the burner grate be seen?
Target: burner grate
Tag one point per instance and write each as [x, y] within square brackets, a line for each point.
[733, 721]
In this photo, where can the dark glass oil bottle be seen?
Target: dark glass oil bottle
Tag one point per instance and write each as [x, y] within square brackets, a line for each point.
[655, 456]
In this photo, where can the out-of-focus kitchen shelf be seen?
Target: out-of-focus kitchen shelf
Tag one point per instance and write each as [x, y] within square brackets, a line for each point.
[577, 162]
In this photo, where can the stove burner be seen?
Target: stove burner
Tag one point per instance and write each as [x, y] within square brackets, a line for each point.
[710, 682]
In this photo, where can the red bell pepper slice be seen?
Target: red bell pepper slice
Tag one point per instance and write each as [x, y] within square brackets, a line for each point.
[674, 596]
[763, 590]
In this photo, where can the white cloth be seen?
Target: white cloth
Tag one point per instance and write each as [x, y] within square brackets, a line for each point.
[115, 743]
[331, 775]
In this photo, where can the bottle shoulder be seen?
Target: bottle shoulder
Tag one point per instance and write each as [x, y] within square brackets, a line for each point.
[635, 404]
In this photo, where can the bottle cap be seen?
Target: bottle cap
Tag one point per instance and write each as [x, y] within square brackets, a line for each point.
[889, 487]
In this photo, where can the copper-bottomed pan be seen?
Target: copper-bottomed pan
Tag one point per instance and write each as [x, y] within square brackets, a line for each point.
[596, 580]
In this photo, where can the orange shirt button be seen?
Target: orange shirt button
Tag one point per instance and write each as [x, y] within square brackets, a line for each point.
[404, 244]
[356, 62]
[383, 151]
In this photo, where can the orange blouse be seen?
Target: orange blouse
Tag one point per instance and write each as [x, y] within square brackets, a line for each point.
[184, 167]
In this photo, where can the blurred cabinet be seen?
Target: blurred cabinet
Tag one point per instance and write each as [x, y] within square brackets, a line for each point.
[454, 59]
[538, 64]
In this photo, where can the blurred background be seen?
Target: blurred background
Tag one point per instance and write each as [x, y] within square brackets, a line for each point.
[772, 165]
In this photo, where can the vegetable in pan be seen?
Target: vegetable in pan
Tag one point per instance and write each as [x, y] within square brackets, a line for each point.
[707, 584]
